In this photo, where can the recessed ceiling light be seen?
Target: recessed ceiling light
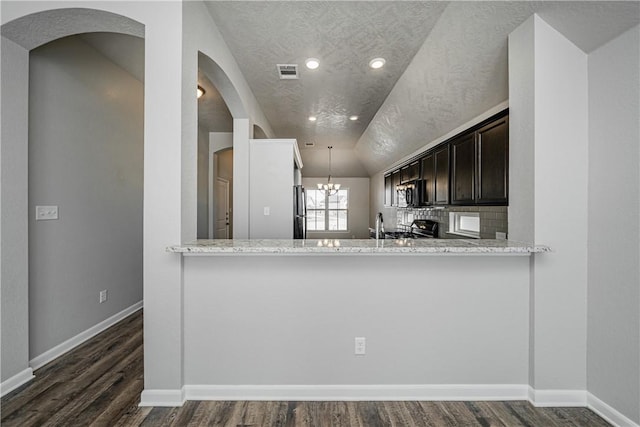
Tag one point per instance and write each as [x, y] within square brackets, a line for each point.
[312, 118]
[353, 118]
[377, 63]
[312, 63]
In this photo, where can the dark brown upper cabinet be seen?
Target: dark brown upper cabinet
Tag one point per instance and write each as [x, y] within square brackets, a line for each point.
[441, 161]
[388, 192]
[435, 175]
[463, 170]
[410, 172]
[493, 163]
[471, 168]
[428, 178]
[395, 181]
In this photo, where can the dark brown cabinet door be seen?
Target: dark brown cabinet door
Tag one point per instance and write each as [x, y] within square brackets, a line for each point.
[411, 172]
[441, 174]
[463, 170]
[469, 169]
[428, 178]
[493, 163]
[387, 190]
[395, 181]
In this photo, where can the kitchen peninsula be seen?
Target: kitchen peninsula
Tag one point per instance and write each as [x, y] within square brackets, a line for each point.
[356, 246]
[277, 319]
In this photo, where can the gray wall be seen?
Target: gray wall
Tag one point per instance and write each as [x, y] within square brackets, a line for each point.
[358, 214]
[203, 183]
[613, 352]
[559, 125]
[85, 155]
[271, 186]
[13, 206]
[463, 322]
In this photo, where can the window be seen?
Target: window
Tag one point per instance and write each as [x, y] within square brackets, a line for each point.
[327, 212]
[465, 223]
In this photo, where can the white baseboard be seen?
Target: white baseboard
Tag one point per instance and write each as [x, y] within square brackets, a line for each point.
[73, 342]
[16, 381]
[357, 392]
[445, 392]
[162, 397]
[608, 413]
[541, 398]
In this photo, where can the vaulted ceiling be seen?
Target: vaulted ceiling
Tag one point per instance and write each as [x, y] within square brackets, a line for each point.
[446, 63]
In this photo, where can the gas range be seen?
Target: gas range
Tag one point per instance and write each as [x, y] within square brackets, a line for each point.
[420, 229]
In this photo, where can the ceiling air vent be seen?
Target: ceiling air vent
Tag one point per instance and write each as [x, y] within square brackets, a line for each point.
[309, 144]
[287, 71]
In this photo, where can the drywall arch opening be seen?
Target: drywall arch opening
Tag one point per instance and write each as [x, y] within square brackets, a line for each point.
[218, 110]
[86, 138]
[37, 29]
[223, 84]
[30, 179]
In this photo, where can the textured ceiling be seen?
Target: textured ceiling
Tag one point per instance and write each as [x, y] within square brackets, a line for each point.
[447, 63]
[344, 162]
[459, 70]
[345, 36]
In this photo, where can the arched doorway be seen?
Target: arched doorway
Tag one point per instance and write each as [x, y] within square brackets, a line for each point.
[42, 326]
[215, 129]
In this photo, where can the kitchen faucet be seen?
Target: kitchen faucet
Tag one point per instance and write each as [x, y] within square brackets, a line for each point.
[379, 226]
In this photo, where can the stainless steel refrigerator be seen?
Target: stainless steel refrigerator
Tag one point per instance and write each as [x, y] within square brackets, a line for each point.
[299, 212]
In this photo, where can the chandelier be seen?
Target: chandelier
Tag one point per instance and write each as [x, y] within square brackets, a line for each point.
[329, 186]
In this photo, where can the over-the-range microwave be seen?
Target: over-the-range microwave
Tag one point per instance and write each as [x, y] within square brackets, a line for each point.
[411, 194]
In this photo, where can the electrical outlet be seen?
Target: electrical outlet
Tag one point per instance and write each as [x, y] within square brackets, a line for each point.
[46, 213]
[267, 211]
[103, 296]
[361, 345]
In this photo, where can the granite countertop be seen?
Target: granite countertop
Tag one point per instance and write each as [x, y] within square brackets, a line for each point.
[357, 247]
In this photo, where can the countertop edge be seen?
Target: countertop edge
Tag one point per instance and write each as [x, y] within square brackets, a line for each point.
[357, 247]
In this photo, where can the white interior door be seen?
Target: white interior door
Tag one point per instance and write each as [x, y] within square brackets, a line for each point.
[222, 208]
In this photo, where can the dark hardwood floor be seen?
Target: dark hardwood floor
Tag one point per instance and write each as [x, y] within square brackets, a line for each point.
[99, 384]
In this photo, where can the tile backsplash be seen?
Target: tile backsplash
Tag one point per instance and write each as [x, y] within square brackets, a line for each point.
[493, 219]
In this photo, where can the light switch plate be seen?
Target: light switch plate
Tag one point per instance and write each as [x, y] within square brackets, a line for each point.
[267, 211]
[44, 213]
[360, 346]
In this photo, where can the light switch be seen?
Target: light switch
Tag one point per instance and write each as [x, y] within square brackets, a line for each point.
[44, 213]
[267, 211]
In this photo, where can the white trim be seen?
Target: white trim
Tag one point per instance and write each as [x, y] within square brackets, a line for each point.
[440, 392]
[162, 397]
[73, 342]
[608, 413]
[357, 392]
[542, 398]
[16, 381]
